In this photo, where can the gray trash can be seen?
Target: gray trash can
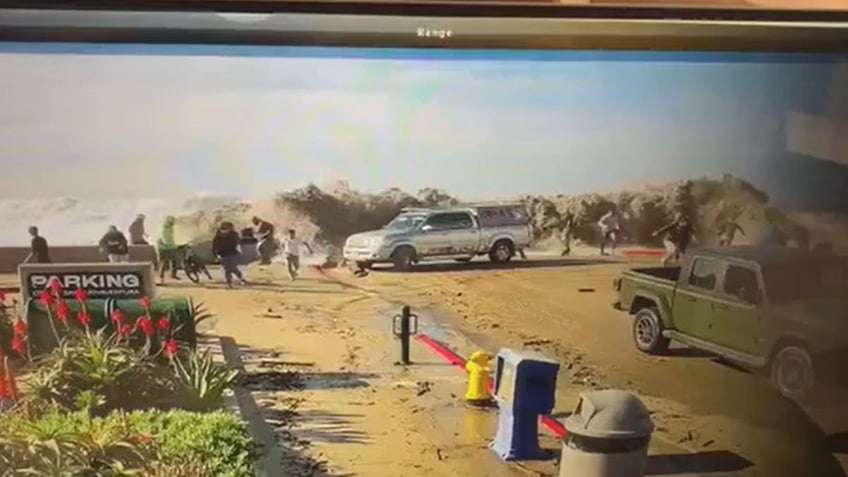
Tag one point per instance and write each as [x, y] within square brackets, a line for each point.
[608, 436]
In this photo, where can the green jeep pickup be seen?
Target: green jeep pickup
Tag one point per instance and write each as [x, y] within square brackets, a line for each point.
[779, 309]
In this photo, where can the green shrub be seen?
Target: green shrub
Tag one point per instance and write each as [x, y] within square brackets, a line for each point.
[142, 443]
[218, 439]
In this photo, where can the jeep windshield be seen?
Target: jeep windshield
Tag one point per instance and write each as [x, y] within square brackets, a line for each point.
[405, 222]
[805, 280]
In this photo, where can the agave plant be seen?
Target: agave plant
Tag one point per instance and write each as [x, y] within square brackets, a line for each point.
[202, 380]
[199, 314]
[107, 446]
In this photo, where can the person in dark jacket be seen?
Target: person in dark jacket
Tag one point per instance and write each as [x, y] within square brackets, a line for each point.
[114, 245]
[676, 236]
[138, 235]
[225, 245]
[40, 251]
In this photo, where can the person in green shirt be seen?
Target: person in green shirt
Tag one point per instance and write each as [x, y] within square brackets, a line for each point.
[168, 250]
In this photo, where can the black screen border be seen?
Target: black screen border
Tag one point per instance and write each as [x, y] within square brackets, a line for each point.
[392, 24]
[449, 8]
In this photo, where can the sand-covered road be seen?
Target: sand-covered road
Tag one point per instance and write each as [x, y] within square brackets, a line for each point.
[363, 416]
[564, 308]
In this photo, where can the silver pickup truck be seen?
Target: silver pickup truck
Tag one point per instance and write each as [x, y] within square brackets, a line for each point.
[458, 233]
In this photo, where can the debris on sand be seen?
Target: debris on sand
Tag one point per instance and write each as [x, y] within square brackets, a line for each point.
[424, 387]
[536, 342]
[288, 380]
[586, 290]
[284, 364]
[270, 315]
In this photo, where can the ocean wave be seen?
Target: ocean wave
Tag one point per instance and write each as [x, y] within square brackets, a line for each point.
[82, 221]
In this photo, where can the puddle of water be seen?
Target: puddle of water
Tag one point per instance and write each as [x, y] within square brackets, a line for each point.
[427, 323]
[476, 427]
[472, 430]
[437, 331]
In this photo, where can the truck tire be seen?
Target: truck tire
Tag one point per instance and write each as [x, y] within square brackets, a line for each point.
[793, 373]
[647, 331]
[403, 257]
[502, 251]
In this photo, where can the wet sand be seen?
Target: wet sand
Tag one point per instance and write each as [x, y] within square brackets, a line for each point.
[732, 419]
[360, 414]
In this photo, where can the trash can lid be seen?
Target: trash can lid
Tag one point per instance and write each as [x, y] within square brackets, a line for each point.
[610, 413]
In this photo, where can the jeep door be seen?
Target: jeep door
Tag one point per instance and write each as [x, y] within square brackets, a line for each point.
[692, 309]
[736, 310]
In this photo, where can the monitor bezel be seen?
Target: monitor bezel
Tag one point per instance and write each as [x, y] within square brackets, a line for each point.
[383, 25]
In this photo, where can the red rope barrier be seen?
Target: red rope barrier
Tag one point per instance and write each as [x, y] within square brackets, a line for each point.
[643, 252]
[450, 356]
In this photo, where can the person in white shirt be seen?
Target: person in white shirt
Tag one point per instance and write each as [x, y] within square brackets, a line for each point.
[609, 231]
[291, 247]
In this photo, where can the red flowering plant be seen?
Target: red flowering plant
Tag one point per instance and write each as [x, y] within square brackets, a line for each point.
[48, 301]
[7, 314]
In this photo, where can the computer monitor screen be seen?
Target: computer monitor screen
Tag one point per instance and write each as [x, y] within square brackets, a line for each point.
[325, 184]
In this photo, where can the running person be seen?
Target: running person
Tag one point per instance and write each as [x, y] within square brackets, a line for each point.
[610, 229]
[727, 232]
[138, 236]
[225, 245]
[265, 236]
[677, 236]
[291, 247]
[114, 245]
[168, 250]
[565, 233]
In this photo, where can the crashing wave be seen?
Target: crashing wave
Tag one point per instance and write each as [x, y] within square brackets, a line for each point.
[82, 221]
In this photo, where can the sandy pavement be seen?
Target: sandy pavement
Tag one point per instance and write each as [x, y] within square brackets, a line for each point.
[320, 360]
[731, 420]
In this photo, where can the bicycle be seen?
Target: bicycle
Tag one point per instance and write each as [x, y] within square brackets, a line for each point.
[192, 265]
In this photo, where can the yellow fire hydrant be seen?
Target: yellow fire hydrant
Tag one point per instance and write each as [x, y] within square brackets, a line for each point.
[477, 365]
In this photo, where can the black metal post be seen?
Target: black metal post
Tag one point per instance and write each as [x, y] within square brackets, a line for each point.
[404, 326]
[404, 334]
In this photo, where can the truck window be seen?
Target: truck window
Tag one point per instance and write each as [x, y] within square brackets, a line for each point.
[739, 278]
[704, 274]
[405, 222]
[502, 216]
[450, 221]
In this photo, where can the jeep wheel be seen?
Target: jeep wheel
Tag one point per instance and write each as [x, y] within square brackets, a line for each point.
[501, 251]
[793, 373]
[403, 258]
[647, 332]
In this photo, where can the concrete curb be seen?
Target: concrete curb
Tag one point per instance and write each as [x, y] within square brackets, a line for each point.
[241, 402]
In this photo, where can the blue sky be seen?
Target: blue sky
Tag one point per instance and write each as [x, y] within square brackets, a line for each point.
[144, 121]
